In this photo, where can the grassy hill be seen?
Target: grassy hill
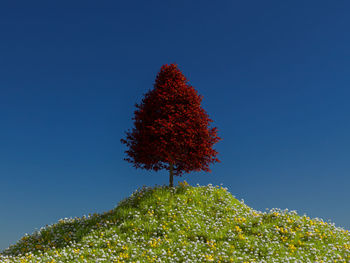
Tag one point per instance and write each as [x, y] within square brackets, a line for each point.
[185, 224]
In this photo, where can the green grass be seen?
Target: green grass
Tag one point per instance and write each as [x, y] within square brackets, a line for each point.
[184, 224]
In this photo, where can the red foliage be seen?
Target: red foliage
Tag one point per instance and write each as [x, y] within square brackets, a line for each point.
[171, 127]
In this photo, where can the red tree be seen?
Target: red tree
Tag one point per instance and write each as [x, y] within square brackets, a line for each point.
[171, 128]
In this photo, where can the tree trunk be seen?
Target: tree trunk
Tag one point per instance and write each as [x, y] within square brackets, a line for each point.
[171, 175]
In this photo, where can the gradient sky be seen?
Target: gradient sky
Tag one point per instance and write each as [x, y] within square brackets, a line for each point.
[274, 75]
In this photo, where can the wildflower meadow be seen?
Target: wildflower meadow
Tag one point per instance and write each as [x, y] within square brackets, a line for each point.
[184, 224]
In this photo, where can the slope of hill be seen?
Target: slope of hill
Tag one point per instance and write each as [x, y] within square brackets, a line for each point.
[185, 224]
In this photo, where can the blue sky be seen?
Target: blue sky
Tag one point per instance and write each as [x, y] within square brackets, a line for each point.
[274, 76]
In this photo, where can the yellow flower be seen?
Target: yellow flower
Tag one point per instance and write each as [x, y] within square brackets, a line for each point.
[209, 257]
[284, 238]
[123, 255]
[238, 229]
[150, 213]
[241, 237]
[240, 219]
[154, 242]
[183, 184]
[255, 214]
[211, 244]
[292, 248]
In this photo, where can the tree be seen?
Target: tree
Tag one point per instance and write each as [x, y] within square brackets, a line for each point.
[171, 129]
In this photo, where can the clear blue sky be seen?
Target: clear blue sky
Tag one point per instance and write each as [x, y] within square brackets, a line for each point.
[274, 76]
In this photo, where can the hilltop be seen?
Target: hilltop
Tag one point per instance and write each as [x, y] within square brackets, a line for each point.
[184, 224]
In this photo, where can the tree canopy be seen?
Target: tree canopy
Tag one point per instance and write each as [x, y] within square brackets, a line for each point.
[171, 130]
